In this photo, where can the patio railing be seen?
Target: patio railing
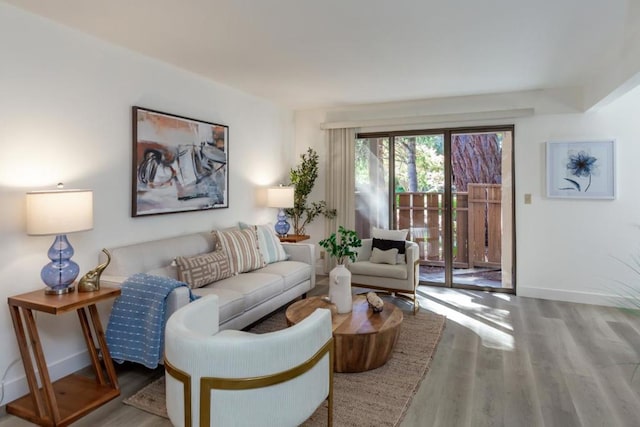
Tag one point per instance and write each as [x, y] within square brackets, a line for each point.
[477, 225]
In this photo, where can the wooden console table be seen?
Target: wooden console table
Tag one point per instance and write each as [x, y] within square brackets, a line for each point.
[294, 238]
[71, 397]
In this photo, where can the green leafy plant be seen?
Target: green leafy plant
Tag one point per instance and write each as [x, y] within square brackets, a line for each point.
[303, 178]
[630, 293]
[630, 296]
[342, 248]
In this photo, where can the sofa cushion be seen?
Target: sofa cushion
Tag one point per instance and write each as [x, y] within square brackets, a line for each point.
[389, 256]
[255, 287]
[170, 270]
[367, 268]
[230, 302]
[203, 269]
[147, 256]
[268, 243]
[292, 272]
[241, 247]
[380, 233]
[384, 244]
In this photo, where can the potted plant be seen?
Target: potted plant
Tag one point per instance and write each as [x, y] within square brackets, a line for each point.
[342, 249]
[303, 178]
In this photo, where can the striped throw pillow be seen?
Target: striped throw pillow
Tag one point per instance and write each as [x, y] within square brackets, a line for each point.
[241, 247]
[203, 269]
[268, 243]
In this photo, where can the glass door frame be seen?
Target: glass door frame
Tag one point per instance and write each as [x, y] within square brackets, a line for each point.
[448, 196]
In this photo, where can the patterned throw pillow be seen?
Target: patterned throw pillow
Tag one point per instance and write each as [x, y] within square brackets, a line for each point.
[268, 243]
[201, 270]
[241, 247]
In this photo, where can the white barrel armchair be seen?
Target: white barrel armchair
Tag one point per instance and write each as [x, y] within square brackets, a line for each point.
[224, 378]
[400, 279]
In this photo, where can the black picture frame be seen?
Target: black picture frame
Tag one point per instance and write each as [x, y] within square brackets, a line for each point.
[180, 164]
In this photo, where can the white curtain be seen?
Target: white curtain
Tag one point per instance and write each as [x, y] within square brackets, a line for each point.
[340, 181]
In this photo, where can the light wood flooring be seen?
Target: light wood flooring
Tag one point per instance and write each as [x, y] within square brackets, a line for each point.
[502, 361]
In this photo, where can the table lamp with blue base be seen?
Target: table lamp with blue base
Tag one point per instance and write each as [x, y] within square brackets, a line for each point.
[282, 198]
[59, 212]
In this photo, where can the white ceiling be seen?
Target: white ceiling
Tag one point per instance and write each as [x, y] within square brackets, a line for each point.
[312, 53]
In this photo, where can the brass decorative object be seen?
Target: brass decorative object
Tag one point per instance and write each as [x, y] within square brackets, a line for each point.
[91, 281]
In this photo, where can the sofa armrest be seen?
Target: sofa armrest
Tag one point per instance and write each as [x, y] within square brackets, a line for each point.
[412, 256]
[364, 251]
[303, 252]
[178, 298]
[412, 252]
[112, 281]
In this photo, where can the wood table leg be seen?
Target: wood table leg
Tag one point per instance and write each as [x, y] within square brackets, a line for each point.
[26, 361]
[91, 346]
[45, 380]
[69, 398]
[102, 342]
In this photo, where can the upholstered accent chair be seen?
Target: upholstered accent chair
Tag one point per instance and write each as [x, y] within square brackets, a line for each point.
[399, 279]
[223, 378]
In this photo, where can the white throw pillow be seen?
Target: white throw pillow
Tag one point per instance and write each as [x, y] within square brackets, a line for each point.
[380, 233]
[379, 256]
[268, 243]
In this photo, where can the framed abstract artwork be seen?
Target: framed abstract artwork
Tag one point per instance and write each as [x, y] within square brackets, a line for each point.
[581, 170]
[179, 164]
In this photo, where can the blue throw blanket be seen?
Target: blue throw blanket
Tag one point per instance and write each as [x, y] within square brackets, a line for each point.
[136, 326]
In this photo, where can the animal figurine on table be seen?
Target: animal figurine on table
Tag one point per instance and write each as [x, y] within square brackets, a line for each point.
[90, 282]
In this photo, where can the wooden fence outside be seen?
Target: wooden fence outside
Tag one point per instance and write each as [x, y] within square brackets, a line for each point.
[477, 225]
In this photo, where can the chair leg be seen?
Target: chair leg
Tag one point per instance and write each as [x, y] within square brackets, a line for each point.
[416, 303]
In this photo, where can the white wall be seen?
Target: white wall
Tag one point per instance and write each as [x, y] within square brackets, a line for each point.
[565, 249]
[65, 115]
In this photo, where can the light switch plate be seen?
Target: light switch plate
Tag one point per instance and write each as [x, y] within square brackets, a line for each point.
[527, 199]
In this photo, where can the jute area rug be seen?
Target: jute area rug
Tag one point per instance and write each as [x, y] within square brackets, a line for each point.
[379, 397]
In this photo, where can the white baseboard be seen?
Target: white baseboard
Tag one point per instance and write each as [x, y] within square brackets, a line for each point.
[320, 268]
[574, 296]
[18, 387]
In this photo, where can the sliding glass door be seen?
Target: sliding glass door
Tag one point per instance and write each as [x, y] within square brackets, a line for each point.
[452, 190]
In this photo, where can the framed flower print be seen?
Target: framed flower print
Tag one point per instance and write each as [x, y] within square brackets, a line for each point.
[581, 170]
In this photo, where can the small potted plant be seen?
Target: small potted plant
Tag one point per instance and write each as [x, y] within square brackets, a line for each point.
[342, 249]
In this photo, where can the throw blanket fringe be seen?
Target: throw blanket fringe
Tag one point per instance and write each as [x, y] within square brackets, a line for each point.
[135, 332]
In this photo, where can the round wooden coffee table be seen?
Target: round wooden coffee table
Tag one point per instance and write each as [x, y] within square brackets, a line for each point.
[363, 339]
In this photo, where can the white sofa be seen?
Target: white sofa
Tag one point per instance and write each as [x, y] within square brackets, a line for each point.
[243, 299]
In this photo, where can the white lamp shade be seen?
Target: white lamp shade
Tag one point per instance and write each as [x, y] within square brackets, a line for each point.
[59, 212]
[280, 197]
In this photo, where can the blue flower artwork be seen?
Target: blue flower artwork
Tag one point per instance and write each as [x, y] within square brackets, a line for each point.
[580, 165]
[581, 169]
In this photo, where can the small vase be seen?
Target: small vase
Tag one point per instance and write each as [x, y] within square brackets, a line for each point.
[340, 289]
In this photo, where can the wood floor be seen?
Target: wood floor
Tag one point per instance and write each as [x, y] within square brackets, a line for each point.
[512, 361]
[502, 361]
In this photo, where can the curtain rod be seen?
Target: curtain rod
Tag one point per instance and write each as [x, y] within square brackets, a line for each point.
[432, 118]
